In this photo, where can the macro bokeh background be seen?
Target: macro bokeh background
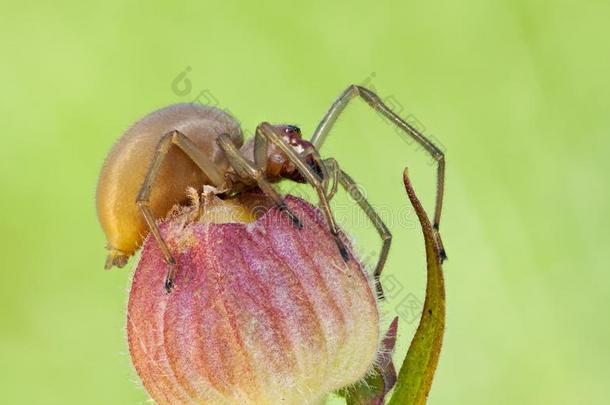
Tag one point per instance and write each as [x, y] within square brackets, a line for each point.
[516, 93]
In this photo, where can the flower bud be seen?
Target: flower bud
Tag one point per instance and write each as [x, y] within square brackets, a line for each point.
[261, 312]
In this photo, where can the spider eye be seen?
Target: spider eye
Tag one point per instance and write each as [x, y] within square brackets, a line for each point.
[292, 129]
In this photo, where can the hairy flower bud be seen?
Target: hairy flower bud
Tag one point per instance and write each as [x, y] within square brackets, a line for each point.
[261, 312]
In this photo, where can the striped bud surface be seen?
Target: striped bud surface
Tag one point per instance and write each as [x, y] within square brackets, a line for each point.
[261, 312]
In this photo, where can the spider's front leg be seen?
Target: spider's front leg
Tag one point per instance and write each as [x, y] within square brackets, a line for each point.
[338, 176]
[377, 104]
[265, 133]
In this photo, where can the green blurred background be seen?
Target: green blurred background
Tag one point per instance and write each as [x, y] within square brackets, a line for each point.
[515, 92]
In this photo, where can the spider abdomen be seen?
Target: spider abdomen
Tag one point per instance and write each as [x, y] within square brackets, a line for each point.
[128, 162]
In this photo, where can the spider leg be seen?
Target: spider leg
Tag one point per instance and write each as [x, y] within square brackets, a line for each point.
[246, 170]
[352, 189]
[266, 130]
[332, 172]
[376, 103]
[173, 138]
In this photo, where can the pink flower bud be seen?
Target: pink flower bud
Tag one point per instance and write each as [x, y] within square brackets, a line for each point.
[261, 312]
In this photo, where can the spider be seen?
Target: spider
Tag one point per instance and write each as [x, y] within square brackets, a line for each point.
[193, 145]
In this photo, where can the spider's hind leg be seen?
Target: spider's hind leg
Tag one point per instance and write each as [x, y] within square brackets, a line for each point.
[173, 138]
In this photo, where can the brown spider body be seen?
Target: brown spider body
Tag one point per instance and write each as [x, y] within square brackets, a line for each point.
[151, 166]
[126, 166]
